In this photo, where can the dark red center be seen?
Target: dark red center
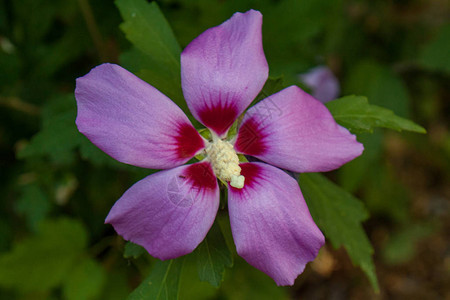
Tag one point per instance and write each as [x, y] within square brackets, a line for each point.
[218, 118]
[188, 141]
[251, 138]
[201, 176]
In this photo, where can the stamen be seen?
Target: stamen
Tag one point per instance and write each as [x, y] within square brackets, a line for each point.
[225, 162]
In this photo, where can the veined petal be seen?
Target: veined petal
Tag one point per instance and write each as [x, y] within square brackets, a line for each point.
[271, 224]
[132, 121]
[223, 70]
[170, 212]
[294, 131]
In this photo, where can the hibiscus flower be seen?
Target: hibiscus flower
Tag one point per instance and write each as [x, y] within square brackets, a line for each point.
[170, 212]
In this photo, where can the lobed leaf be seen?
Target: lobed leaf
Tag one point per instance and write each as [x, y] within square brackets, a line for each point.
[339, 215]
[212, 256]
[156, 54]
[147, 29]
[162, 283]
[356, 114]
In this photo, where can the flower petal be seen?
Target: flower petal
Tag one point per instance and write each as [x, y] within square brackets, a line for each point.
[324, 85]
[170, 212]
[132, 121]
[271, 225]
[223, 70]
[294, 131]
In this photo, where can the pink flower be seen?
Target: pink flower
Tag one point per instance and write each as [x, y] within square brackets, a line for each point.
[170, 212]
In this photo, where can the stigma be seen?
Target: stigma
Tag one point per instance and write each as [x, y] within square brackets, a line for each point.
[225, 162]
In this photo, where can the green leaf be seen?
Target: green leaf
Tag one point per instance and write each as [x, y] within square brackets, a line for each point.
[85, 281]
[213, 256]
[162, 283]
[41, 262]
[156, 56]
[339, 215]
[147, 29]
[356, 114]
[133, 250]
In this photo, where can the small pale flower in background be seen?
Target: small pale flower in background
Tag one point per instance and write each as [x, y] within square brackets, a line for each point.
[170, 212]
[322, 82]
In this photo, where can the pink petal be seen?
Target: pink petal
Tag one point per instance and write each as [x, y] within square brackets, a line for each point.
[132, 121]
[170, 212]
[324, 85]
[223, 70]
[271, 225]
[294, 131]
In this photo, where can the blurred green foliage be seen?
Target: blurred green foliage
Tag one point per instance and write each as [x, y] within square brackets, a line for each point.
[339, 215]
[57, 187]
